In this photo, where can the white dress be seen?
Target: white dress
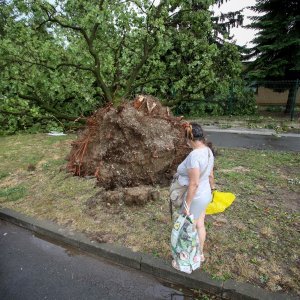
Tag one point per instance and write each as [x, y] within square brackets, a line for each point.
[203, 159]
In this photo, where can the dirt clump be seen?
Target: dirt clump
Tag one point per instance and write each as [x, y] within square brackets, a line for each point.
[138, 195]
[137, 143]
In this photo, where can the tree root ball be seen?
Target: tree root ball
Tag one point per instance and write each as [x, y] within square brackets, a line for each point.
[138, 143]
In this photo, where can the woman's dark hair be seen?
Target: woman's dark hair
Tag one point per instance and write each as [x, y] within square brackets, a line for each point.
[194, 132]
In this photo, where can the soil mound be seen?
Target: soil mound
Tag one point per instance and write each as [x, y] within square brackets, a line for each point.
[138, 143]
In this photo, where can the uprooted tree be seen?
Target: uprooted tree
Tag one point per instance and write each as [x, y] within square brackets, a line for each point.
[63, 59]
[135, 146]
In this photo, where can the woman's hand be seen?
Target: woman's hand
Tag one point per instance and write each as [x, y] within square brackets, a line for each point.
[186, 211]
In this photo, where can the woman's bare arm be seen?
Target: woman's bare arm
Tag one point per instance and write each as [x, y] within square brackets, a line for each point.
[212, 180]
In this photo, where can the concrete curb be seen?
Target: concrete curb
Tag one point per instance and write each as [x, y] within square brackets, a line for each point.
[228, 289]
[240, 130]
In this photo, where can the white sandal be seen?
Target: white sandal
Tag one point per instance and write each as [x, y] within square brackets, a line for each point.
[202, 258]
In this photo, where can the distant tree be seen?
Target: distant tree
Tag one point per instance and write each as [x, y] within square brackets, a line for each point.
[223, 23]
[277, 44]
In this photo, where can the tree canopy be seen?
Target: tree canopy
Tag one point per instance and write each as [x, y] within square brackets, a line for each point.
[277, 43]
[63, 59]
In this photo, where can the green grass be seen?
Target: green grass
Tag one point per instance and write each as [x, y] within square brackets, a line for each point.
[256, 240]
[3, 174]
[19, 151]
[12, 193]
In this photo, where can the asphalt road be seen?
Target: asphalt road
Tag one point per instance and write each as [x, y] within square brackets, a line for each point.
[32, 268]
[254, 141]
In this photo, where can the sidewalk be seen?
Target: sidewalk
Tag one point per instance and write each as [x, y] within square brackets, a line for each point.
[243, 130]
[228, 289]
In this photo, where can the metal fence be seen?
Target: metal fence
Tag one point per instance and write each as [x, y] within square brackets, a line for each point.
[284, 93]
[278, 93]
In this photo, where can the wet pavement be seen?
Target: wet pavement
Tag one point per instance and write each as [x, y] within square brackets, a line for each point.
[254, 141]
[33, 268]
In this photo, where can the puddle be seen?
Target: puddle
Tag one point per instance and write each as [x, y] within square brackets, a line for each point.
[183, 293]
[53, 246]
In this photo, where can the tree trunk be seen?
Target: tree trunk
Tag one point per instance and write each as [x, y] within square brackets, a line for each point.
[292, 94]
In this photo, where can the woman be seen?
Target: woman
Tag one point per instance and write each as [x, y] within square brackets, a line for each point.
[196, 172]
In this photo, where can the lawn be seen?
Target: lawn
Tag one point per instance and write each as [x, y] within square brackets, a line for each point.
[256, 240]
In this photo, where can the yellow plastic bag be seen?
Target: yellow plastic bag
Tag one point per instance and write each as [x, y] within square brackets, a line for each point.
[220, 202]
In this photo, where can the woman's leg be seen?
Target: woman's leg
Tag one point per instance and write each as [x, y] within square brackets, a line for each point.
[201, 232]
